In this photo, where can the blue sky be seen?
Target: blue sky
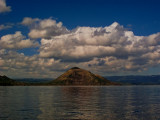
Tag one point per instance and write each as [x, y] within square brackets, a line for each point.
[141, 17]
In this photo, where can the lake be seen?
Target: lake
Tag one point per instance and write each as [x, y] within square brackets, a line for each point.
[80, 103]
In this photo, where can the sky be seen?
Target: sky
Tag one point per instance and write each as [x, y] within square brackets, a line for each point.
[42, 39]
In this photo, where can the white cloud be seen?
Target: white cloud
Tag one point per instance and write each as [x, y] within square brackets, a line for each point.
[45, 28]
[4, 7]
[103, 50]
[85, 44]
[29, 21]
[37, 33]
[2, 27]
[16, 41]
[18, 65]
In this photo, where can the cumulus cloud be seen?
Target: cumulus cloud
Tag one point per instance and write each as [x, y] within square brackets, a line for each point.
[45, 28]
[16, 41]
[113, 47]
[103, 50]
[4, 7]
[89, 42]
[27, 21]
[18, 65]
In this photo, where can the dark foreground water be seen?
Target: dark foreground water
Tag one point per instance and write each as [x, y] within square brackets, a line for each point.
[80, 103]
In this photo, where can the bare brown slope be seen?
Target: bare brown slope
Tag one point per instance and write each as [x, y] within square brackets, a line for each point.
[77, 76]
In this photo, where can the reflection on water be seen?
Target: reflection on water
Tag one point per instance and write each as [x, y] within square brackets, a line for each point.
[92, 103]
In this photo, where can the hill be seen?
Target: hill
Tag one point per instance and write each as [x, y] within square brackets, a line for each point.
[5, 81]
[77, 76]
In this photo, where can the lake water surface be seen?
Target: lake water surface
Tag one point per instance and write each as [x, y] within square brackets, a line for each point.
[80, 103]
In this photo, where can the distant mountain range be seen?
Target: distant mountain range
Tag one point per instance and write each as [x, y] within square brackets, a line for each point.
[34, 80]
[136, 80]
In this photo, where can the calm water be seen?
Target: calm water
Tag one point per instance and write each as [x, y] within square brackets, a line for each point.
[79, 103]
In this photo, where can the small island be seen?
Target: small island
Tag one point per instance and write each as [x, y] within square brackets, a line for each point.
[78, 76]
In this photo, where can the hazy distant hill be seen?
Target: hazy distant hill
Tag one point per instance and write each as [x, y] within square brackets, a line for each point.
[34, 80]
[77, 76]
[136, 80]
